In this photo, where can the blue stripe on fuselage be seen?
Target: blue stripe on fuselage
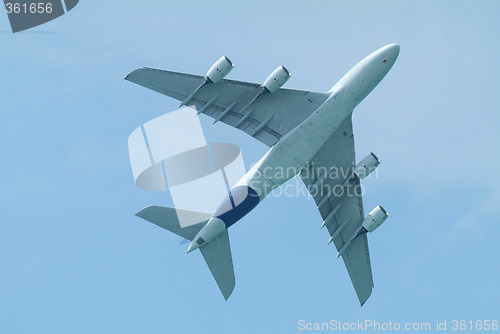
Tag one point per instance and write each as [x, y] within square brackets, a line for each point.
[245, 199]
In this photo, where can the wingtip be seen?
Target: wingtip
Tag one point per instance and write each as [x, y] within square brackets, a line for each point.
[228, 294]
[364, 298]
[141, 212]
[363, 303]
[227, 291]
[128, 76]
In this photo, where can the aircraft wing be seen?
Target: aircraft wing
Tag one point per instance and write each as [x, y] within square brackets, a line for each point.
[341, 206]
[267, 119]
[217, 255]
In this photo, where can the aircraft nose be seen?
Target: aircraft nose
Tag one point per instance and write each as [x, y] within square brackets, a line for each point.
[388, 53]
[394, 50]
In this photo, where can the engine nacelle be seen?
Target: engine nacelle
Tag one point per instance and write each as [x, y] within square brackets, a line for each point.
[375, 218]
[220, 69]
[366, 166]
[277, 79]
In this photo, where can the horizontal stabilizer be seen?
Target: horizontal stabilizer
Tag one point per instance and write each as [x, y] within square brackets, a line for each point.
[168, 218]
[217, 254]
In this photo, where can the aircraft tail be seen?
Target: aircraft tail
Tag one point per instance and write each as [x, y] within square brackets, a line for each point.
[169, 219]
[217, 252]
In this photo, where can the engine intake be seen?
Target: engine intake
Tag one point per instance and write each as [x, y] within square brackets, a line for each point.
[375, 218]
[277, 79]
[366, 166]
[220, 69]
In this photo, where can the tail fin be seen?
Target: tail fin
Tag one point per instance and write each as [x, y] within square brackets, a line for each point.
[168, 218]
[217, 253]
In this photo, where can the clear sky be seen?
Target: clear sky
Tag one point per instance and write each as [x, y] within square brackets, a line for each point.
[75, 259]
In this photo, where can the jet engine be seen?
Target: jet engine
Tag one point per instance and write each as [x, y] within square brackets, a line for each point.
[220, 69]
[277, 79]
[375, 218]
[366, 166]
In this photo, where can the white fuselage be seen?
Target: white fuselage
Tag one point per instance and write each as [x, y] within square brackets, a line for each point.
[294, 150]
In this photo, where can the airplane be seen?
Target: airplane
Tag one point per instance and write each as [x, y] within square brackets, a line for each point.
[309, 134]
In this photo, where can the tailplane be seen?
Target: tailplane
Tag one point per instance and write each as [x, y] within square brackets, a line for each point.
[217, 252]
[169, 219]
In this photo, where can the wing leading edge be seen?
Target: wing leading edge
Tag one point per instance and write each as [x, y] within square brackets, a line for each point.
[341, 206]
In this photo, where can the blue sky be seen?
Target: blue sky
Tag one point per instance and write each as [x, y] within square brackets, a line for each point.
[75, 259]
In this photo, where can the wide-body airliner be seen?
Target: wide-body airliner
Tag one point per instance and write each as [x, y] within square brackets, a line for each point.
[309, 134]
